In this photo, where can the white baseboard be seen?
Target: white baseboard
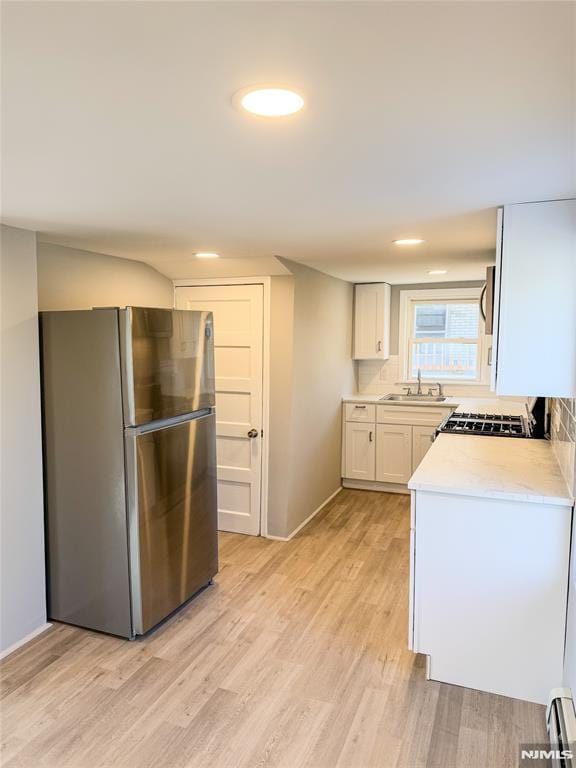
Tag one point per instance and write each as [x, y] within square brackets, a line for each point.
[305, 522]
[24, 640]
[373, 485]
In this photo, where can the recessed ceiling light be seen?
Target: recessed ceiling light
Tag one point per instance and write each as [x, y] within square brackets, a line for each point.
[270, 101]
[206, 255]
[409, 241]
[437, 271]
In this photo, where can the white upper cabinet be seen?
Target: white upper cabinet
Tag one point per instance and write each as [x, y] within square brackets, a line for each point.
[534, 350]
[372, 321]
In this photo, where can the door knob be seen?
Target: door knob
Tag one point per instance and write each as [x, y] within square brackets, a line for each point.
[253, 433]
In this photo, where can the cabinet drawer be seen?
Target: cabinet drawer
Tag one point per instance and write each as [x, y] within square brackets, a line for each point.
[360, 412]
[411, 414]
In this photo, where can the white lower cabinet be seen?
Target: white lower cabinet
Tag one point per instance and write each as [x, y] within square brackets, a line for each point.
[382, 445]
[393, 453]
[422, 438]
[488, 582]
[360, 452]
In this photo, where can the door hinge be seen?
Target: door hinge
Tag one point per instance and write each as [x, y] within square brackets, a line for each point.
[261, 433]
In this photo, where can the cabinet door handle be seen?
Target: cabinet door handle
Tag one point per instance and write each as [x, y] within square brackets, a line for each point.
[379, 346]
[370, 436]
[361, 407]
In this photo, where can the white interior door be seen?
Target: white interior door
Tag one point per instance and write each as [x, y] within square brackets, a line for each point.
[238, 331]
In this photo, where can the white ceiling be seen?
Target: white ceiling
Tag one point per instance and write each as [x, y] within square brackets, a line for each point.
[120, 135]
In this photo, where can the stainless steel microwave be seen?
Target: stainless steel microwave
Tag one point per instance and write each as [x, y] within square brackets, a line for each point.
[487, 301]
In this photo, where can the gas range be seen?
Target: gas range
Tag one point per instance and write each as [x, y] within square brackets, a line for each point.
[492, 424]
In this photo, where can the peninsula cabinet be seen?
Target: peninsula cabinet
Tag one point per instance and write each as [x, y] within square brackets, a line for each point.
[488, 586]
[371, 321]
[534, 342]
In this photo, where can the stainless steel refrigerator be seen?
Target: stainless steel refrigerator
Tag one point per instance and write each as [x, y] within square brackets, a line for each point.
[130, 464]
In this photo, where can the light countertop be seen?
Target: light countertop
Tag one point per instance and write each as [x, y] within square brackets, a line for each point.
[493, 467]
[459, 403]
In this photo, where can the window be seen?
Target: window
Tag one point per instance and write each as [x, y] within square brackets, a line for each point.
[441, 335]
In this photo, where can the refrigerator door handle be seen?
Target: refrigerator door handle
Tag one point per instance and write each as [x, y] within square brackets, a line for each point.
[133, 530]
[154, 426]
[124, 334]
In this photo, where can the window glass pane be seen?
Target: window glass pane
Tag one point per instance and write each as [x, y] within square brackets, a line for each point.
[444, 360]
[430, 320]
[446, 321]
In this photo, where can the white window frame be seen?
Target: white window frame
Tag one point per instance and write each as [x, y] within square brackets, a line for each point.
[439, 295]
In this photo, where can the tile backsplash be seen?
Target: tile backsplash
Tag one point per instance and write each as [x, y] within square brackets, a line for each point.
[379, 377]
[563, 435]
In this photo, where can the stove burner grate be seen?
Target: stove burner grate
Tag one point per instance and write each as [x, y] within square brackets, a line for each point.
[492, 424]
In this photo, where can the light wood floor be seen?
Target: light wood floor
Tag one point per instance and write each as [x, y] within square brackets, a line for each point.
[297, 657]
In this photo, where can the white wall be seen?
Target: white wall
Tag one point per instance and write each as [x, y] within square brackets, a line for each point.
[23, 602]
[74, 279]
[563, 436]
[322, 373]
[259, 266]
[281, 388]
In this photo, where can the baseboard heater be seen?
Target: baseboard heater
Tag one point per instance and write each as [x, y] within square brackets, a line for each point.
[561, 724]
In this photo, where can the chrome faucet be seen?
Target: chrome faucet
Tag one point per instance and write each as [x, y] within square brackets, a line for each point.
[419, 377]
[440, 390]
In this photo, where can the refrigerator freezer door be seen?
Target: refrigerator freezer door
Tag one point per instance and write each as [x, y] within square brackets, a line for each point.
[168, 363]
[172, 516]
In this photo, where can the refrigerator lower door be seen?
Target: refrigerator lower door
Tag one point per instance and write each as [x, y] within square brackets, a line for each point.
[172, 516]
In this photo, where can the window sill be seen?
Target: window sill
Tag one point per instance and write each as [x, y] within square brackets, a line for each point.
[445, 382]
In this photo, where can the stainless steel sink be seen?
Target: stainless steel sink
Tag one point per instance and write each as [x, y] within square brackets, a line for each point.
[414, 398]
